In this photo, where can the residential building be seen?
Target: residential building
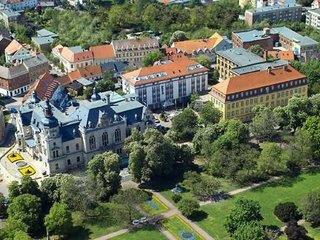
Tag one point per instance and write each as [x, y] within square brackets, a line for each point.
[103, 54]
[134, 50]
[15, 53]
[73, 58]
[286, 55]
[313, 18]
[166, 84]
[8, 16]
[233, 58]
[291, 40]
[44, 39]
[91, 73]
[246, 39]
[4, 43]
[46, 3]
[20, 5]
[315, 4]
[265, 3]
[273, 14]
[237, 96]
[63, 134]
[16, 79]
[257, 67]
[208, 47]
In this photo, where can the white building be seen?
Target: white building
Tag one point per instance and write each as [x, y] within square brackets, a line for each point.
[166, 84]
[313, 18]
[315, 4]
[63, 135]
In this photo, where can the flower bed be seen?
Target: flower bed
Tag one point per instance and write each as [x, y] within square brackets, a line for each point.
[27, 171]
[14, 157]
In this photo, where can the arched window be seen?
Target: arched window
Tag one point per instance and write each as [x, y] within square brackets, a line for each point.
[105, 140]
[117, 135]
[92, 142]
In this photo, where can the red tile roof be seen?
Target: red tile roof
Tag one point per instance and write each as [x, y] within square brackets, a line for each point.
[157, 73]
[87, 72]
[103, 51]
[256, 80]
[13, 47]
[74, 57]
[284, 55]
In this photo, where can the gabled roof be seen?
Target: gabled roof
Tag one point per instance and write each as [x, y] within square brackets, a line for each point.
[74, 54]
[13, 47]
[87, 72]
[283, 55]
[257, 80]
[103, 51]
[157, 73]
[189, 46]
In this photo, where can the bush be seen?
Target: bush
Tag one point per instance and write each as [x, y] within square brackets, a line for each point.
[176, 197]
[310, 208]
[286, 212]
[188, 206]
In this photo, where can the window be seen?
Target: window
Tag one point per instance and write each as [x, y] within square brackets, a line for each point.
[67, 149]
[105, 139]
[117, 135]
[69, 162]
[57, 166]
[92, 143]
[77, 147]
[78, 159]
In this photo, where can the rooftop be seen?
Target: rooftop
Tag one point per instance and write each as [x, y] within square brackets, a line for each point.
[74, 54]
[259, 67]
[134, 43]
[102, 51]
[240, 56]
[45, 33]
[13, 47]
[251, 35]
[257, 80]
[42, 40]
[271, 8]
[87, 72]
[294, 36]
[158, 73]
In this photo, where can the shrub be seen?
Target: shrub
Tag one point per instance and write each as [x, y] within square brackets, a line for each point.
[176, 197]
[286, 212]
[188, 206]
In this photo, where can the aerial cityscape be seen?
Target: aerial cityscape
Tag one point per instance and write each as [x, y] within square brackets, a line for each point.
[160, 119]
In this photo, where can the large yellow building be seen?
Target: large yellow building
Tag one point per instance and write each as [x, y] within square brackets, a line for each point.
[236, 96]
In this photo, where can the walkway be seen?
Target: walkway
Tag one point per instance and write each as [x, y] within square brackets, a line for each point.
[114, 234]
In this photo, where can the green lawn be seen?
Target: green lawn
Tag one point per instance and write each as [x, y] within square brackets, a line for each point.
[268, 196]
[142, 234]
[155, 206]
[175, 225]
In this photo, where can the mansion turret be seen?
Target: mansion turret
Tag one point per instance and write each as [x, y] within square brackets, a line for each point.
[63, 134]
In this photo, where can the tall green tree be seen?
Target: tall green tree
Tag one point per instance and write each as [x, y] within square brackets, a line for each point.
[3, 206]
[104, 170]
[152, 57]
[312, 128]
[184, 125]
[210, 114]
[310, 208]
[251, 230]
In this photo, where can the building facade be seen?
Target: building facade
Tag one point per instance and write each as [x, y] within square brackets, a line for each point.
[233, 58]
[273, 14]
[167, 84]
[313, 18]
[63, 136]
[237, 96]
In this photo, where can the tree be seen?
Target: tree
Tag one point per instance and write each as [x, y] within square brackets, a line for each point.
[152, 57]
[201, 186]
[27, 209]
[87, 92]
[3, 206]
[178, 36]
[137, 162]
[286, 212]
[310, 208]
[184, 125]
[312, 128]
[28, 185]
[104, 170]
[107, 83]
[271, 160]
[297, 111]
[20, 235]
[204, 60]
[305, 3]
[263, 124]
[59, 220]
[257, 49]
[50, 191]
[251, 230]
[130, 199]
[188, 206]
[11, 227]
[243, 212]
[295, 232]
[210, 114]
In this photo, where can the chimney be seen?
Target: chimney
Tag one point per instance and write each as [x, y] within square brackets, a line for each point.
[108, 98]
[269, 70]
[285, 67]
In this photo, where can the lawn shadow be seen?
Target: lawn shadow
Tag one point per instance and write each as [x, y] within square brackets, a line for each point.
[199, 216]
[79, 233]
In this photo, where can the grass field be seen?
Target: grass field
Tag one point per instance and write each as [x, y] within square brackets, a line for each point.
[143, 234]
[268, 196]
[155, 206]
[175, 225]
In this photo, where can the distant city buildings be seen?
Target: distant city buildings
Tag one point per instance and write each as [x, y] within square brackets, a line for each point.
[237, 96]
[20, 5]
[166, 84]
[44, 39]
[15, 53]
[264, 3]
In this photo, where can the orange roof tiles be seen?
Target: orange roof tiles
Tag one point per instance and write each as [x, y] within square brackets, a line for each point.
[87, 72]
[283, 55]
[73, 57]
[189, 46]
[13, 47]
[103, 51]
[157, 73]
[256, 80]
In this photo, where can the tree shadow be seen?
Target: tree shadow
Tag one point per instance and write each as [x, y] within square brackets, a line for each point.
[199, 216]
[79, 233]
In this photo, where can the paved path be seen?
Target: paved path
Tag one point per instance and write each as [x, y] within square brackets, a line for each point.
[167, 234]
[114, 234]
[240, 190]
